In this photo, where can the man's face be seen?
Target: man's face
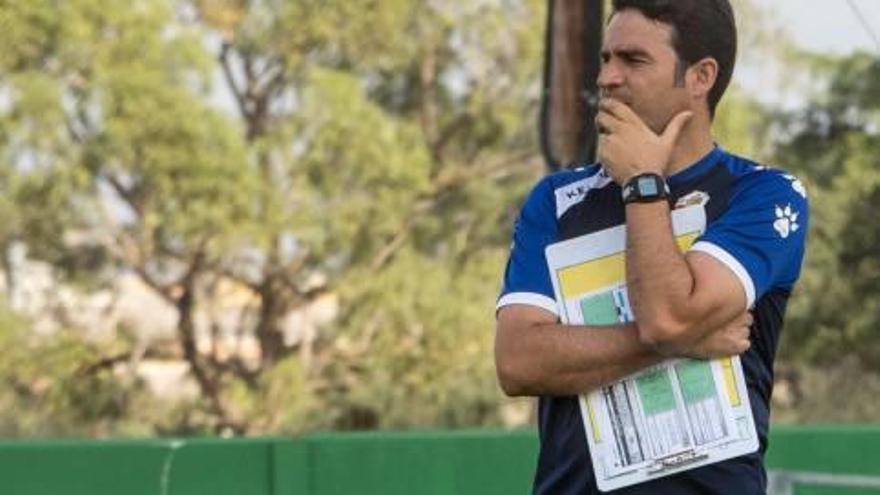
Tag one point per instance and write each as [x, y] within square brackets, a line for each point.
[639, 68]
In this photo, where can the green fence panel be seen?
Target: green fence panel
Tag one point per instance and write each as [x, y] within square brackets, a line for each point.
[438, 463]
[291, 467]
[835, 449]
[845, 451]
[81, 468]
[453, 462]
[220, 467]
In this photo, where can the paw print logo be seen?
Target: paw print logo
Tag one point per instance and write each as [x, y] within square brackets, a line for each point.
[786, 221]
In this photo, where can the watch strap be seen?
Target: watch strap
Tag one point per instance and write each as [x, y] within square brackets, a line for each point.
[645, 188]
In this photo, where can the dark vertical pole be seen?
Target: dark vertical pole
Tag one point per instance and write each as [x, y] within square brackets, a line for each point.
[571, 65]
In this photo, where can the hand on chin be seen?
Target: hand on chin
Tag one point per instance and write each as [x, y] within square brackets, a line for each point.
[628, 146]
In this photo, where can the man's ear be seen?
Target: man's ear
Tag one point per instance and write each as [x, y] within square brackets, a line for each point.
[701, 77]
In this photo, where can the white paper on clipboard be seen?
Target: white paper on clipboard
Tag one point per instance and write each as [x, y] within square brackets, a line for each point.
[672, 417]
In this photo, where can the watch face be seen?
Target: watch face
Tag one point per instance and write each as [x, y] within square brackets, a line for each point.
[648, 186]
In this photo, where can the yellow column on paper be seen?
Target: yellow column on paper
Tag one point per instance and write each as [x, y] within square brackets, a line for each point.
[730, 382]
[593, 423]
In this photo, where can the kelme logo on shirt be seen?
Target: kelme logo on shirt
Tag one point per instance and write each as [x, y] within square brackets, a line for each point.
[574, 193]
[786, 221]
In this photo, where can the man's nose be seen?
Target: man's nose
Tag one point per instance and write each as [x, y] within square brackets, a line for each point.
[609, 76]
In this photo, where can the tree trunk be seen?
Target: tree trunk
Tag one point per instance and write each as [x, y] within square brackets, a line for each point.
[574, 39]
[272, 308]
[8, 272]
[204, 373]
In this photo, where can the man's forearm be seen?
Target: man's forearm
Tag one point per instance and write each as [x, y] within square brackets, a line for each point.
[660, 282]
[556, 359]
[657, 275]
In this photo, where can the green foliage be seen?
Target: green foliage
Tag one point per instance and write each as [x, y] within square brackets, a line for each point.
[741, 125]
[361, 171]
[294, 149]
[55, 385]
[427, 335]
[835, 144]
[271, 144]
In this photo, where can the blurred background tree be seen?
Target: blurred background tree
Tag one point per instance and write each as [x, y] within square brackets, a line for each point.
[252, 163]
[286, 152]
[831, 348]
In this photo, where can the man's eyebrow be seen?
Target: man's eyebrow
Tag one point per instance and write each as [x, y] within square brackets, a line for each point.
[628, 52]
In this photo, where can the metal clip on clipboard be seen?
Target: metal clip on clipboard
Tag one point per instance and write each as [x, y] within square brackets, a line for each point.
[676, 461]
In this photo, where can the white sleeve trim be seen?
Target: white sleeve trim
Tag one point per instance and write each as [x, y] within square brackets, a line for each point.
[529, 299]
[730, 262]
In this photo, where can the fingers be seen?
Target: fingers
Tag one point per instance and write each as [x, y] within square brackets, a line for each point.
[744, 343]
[746, 319]
[617, 109]
[607, 123]
[608, 118]
[743, 331]
[735, 336]
[743, 348]
[731, 340]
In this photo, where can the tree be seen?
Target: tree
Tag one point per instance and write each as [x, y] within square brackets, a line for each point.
[351, 147]
[833, 145]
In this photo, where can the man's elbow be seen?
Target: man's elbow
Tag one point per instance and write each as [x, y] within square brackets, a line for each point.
[511, 379]
[519, 347]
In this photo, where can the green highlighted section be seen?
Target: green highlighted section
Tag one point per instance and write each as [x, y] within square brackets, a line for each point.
[697, 382]
[599, 309]
[655, 392]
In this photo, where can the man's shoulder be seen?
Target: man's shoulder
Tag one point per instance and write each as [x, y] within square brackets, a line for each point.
[570, 177]
[756, 180]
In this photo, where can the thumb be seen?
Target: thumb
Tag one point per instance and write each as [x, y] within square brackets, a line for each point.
[674, 127]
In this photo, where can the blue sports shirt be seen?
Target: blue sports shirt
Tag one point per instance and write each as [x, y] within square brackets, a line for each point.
[756, 225]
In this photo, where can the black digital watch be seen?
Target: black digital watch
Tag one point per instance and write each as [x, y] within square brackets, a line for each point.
[645, 188]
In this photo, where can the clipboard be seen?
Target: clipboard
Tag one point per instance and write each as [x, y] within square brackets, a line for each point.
[676, 416]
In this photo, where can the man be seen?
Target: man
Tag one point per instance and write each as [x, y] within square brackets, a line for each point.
[665, 66]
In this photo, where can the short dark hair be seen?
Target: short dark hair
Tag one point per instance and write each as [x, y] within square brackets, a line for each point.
[700, 29]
